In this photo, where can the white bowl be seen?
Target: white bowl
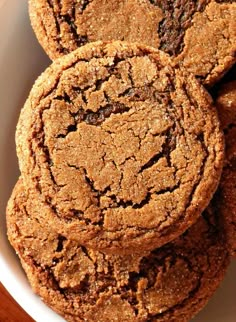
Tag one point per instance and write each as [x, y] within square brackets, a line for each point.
[21, 61]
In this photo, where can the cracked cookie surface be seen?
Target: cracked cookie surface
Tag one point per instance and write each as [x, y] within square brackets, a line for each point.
[171, 283]
[124, 147]
[200, 34]
[226, 196]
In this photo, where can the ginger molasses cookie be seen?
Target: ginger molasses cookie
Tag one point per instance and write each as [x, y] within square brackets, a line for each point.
[200, 34]
[226, 197]
[124, 147]
[171, 283]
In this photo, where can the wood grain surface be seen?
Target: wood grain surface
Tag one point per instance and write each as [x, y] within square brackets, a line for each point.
[10, 311]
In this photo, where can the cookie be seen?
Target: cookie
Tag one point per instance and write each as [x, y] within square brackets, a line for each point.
[171, 283]
[124, 147]
[226, 197]
[200, 34]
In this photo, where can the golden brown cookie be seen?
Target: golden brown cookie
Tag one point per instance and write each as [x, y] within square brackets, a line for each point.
[125, 148]
[200, 34]
[168, 284]
[226, 197]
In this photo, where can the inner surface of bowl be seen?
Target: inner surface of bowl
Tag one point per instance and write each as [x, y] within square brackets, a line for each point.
[21, 61]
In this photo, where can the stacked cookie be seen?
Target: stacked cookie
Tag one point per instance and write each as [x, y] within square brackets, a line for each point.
[121, 152]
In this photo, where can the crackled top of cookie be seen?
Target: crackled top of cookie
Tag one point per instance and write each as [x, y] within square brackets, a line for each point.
[171, 283]
[226, 200]
[125, 148]
[201, 34]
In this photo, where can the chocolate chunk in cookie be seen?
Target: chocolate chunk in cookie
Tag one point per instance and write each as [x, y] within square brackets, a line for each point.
[200, 34]
[124, 147]
[171, 283]
[226, 197]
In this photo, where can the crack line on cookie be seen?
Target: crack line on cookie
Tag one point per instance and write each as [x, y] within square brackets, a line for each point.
[177, 19]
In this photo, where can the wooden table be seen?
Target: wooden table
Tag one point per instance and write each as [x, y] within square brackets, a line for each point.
[10, 311]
